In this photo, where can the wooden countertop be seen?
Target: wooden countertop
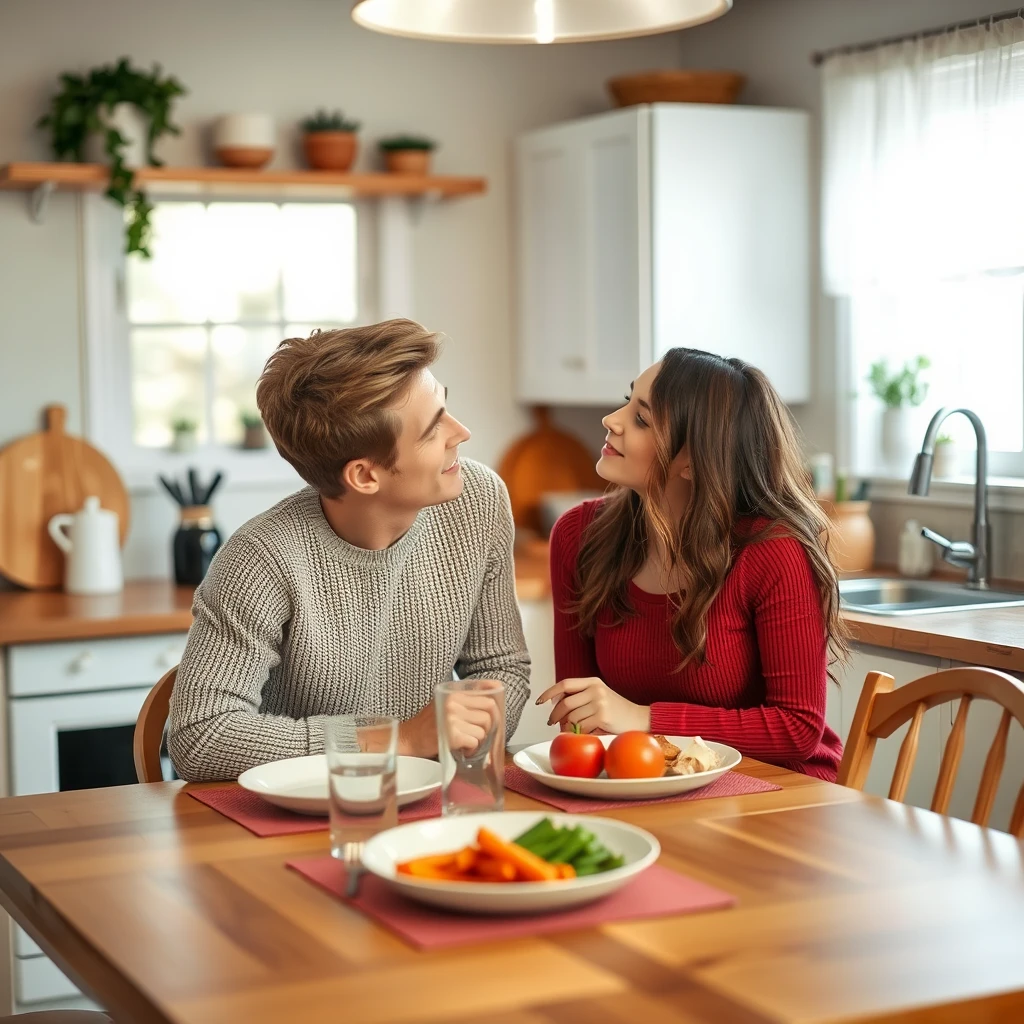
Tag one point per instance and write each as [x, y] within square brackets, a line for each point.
[848, 906]
[144, 606]
[992, 637]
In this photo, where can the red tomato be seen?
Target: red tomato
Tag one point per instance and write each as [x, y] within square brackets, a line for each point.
[634, 755]
[577, 754]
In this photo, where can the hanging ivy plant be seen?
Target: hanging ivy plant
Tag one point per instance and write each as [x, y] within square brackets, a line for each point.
[78, 110]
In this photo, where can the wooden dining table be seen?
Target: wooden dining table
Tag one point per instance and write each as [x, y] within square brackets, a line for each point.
[849, 907]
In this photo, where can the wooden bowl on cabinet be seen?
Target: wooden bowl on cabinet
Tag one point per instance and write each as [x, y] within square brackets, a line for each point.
[676, 87]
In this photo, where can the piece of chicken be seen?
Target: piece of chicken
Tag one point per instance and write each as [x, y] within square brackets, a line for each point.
[670, 750]
[697, 757]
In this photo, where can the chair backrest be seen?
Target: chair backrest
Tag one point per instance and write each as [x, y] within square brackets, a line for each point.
[881, 710]
[149, 729]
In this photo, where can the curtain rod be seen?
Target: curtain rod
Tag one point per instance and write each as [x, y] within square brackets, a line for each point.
[990, 19]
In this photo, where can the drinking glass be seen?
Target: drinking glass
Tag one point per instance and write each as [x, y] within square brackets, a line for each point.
[362, 757]
[472, 768]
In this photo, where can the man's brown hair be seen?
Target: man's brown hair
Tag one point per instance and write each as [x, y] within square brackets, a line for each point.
[325, 399]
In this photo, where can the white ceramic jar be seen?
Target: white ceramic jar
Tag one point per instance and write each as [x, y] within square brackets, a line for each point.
[244, 140]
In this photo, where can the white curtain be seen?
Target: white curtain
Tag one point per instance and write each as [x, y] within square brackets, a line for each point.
[923, 162]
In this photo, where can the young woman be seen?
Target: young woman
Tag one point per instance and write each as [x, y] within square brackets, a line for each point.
[698, 598]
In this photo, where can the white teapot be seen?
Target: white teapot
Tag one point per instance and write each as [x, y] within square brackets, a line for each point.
[92, 547]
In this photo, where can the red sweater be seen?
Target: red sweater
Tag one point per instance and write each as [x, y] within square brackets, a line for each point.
[764, 679]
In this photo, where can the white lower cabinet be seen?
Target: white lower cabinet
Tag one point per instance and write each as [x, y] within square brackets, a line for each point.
[904, 668]
[982, 722]
[539, 629]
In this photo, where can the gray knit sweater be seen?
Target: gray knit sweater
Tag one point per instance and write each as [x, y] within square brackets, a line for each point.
[292, 623]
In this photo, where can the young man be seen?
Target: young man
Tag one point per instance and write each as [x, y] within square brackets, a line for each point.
[361, 592]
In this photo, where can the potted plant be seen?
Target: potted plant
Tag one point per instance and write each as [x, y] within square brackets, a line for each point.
[901, 391]
[407, 154]
[946, 457]
[125, 111]
[330, 141]
[184, 430]
[254, 433]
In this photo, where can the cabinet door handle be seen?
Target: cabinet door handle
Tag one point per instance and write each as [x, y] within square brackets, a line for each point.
[81, 663]
[574, 362]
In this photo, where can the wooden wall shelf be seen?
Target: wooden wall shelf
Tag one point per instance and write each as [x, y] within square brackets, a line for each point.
[43, 178]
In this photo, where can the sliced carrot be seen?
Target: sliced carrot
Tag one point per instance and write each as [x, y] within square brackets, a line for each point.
[465, 859]
[420, 864]
[490, 870]
[565, 871]
[528, 865]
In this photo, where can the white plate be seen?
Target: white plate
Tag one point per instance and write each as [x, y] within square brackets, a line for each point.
[387, 849]
[535, 761]
[300, 783]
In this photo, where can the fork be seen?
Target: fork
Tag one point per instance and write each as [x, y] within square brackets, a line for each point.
[353, 868]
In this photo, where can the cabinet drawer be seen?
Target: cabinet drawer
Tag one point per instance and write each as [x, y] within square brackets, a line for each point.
[81, 665]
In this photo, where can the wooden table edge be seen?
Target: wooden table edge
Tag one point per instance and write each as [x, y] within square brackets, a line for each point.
[60, 941]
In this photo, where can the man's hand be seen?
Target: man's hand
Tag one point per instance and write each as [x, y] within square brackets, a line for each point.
[595, 707]
[470, 717]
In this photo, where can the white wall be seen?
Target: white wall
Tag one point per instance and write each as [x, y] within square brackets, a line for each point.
[287, 59]
[771, 41]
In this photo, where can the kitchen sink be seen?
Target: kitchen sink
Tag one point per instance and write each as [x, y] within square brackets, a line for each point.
[914, 597]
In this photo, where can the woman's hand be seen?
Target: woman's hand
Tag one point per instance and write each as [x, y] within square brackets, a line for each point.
[594, 707]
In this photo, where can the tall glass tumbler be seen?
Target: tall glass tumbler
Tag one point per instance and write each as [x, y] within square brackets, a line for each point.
[362, 759]
[471, 745]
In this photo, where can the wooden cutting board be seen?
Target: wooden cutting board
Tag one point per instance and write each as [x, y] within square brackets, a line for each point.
[40, 476]
[544, 461]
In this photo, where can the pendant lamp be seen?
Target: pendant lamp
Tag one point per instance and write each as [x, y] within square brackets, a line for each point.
[533, 21]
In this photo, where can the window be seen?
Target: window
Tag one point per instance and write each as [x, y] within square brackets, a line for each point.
[973, 333]
[922, 239]
[228, 281]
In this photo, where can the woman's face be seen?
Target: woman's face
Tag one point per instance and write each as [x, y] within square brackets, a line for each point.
[629, 448]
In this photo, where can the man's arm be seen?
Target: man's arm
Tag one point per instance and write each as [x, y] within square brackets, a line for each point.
[495, 647]
[216, 729]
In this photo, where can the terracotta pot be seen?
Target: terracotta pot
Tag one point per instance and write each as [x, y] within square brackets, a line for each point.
[407, 161]
[254, 437]
[851, 534]
[245, 156]
[330, 151]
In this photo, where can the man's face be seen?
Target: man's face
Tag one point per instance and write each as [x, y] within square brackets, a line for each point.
[427, 470]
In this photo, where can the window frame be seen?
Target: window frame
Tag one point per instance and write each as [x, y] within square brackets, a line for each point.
[106, 349]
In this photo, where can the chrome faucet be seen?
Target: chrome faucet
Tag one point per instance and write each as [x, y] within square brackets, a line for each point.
[971, 556]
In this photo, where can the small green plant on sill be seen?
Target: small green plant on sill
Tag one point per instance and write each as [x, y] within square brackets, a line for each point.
[943, 439]
[77, 111]
[322, 121]
[184, 425]
[394, 143]
[251, 420]
[903, 387]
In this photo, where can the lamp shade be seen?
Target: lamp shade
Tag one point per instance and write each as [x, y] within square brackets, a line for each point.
[533, 21]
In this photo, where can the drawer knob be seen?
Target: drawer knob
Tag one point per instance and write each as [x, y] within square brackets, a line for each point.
[82, 662]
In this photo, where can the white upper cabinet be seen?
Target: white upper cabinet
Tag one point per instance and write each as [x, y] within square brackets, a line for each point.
[651, 227]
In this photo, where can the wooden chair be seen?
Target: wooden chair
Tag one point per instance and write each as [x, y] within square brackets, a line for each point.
[882, 710]
[149, 729]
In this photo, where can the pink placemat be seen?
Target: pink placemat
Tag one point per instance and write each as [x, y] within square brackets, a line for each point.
[657, 892]
[730, 784]
[264, 819]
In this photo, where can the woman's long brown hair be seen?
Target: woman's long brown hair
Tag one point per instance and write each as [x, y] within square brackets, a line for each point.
[745, 463]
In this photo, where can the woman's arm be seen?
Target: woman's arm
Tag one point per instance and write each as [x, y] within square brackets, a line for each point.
[792, 643]
[574, 652]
